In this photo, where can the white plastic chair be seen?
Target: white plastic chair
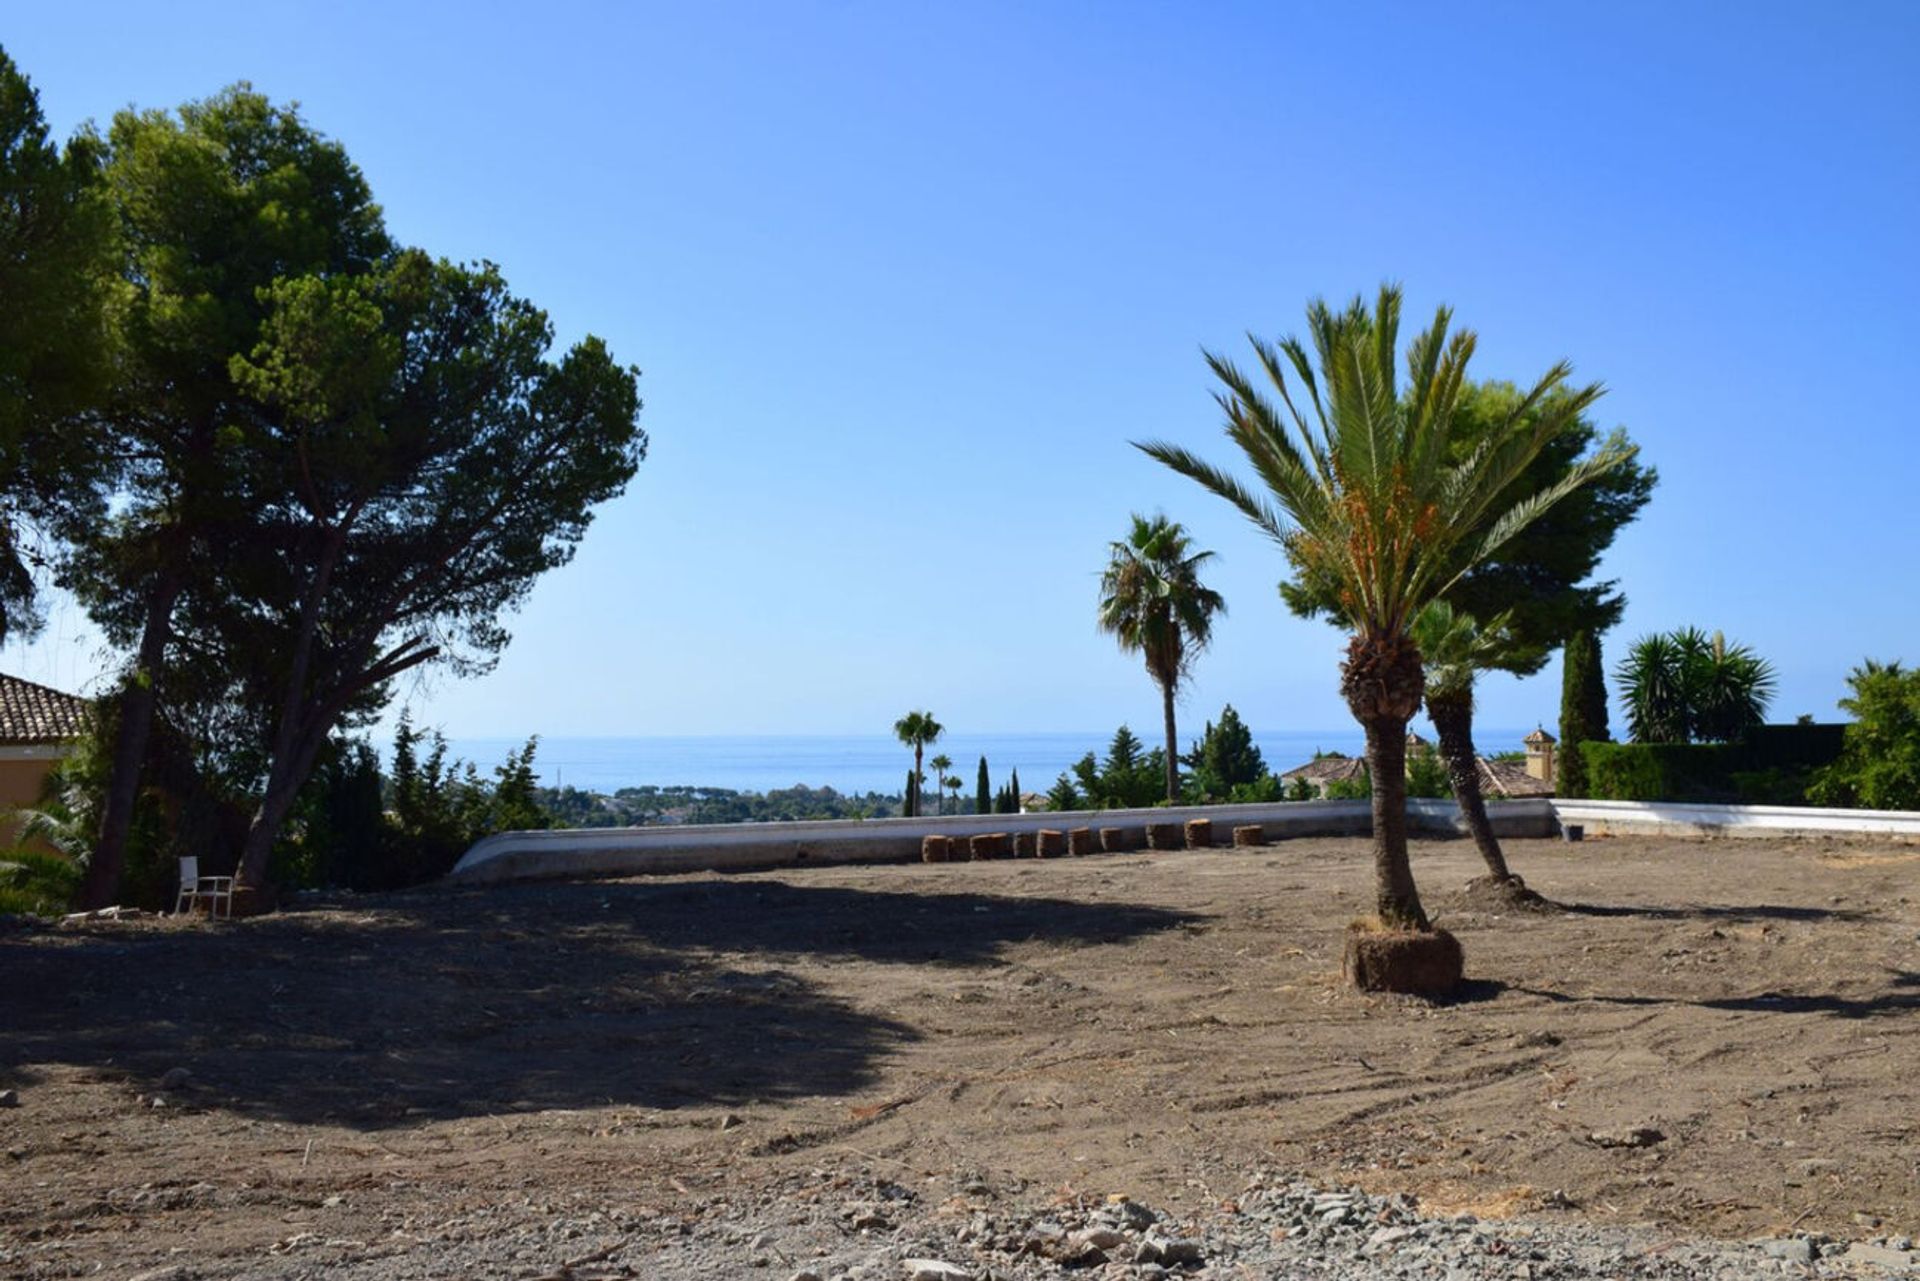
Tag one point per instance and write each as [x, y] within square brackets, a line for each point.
[194, 887]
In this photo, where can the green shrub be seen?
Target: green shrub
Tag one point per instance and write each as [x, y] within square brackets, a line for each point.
[36, 882]
[1351, 789]
[1879, 764]
[1427, 776]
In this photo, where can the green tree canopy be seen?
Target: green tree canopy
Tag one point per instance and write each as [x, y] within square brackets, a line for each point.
[1879, 767]
[57, 257]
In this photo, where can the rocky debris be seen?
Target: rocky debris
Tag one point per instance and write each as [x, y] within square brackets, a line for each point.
[1644, 1136]
[175, 1078]
[9, 1098]
[935, 1270]
[114, 913]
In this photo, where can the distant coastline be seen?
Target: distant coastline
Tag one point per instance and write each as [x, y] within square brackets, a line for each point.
[860, 763]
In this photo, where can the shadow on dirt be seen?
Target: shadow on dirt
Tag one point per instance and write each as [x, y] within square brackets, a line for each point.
[1901, 997]
[1747, 912]
[389, 1010]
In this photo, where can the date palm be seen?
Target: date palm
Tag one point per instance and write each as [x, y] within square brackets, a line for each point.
[1368, 495]
[1153, 602]
[916, 730]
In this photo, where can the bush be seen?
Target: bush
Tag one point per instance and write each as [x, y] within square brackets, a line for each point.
[1879, 762]
[1769, 766]
[1351, 789]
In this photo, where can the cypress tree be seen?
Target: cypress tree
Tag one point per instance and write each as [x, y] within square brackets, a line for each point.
[982, 791]
[907, 807]
[1583, 710]
[1013, 790]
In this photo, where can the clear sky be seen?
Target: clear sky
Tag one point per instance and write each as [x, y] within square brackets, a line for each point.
[905, 279]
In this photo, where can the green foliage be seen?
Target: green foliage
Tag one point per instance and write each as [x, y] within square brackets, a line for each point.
[1583, 710]
[57, 254]
[982, 791]
[1684, 687]
[1301, 789]
[1350, 789]
[1427, 775]
[648, 806]
[37, 883]
[1063, 796]
[1764, 767]
[1263, 790]
[1879, 765]
[1225, 758]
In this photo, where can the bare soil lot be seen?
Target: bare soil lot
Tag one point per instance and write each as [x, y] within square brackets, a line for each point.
[1157, 1024]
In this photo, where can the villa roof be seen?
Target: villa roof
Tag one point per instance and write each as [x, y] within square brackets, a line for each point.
[1508, 779]
[31, 713]
[1538, 737]
[1328, 769]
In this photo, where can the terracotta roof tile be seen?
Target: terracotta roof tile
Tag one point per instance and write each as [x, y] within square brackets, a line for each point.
[31, 713]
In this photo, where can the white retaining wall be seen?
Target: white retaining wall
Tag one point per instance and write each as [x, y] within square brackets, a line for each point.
[629, 851]
[1602, 817]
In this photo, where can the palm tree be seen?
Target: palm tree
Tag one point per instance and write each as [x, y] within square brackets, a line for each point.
[916, 730]
[1455, 650]
[952, 782]
[941, 764]
[1369, 498]
[1152, 601]
[1683, 687]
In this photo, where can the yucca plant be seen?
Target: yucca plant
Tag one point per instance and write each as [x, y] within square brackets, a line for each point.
[1363, 487]
[1684, 686]
[1153, 602]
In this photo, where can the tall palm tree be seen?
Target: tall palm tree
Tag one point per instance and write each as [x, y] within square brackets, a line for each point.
[916, 730]
[1456, 649]
[952, 782]
[1370, 498]
[941, 764]
[1153, 602]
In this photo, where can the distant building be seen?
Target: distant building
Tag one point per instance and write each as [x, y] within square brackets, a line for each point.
[1499, 780]
[38, 728]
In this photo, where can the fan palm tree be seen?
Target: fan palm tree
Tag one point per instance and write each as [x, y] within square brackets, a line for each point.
[1455, 649]
[952, 783]
[941, 764]
[916, 730]
[1152, 601]
[1369, 498]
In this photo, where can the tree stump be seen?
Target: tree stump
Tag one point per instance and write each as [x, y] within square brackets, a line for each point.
[1249, 835]
[1421, 962]
[936, 849]
[1199, 833]
[1115, 840]
[1049, 843]
[987, 845]
[1166, 836]
[1023, 845]
[1082, 841]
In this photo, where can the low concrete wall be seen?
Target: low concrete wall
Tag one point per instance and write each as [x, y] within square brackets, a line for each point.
[630, 851]
[1675, 818]
[633, 851]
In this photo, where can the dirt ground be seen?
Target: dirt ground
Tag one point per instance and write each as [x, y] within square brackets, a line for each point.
[1157, 1024]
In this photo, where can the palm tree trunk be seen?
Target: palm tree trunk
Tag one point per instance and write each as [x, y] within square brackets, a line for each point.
[913, 800]
[1173, 741]
[1453, 721]
[1397, 900]
[1382, 682]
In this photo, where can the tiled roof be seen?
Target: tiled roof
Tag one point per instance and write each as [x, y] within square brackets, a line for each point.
[1509, 779]
[31, 713]
[1328, 769]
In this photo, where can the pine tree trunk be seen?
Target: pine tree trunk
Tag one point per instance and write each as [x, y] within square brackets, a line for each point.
[1453, 721]
[130, 742]
[1382, 683]
[1173, 754]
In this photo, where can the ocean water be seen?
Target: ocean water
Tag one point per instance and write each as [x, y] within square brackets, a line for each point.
[857, 763]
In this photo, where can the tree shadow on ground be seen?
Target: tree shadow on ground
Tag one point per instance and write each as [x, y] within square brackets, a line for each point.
[391, 1010]
[1901, 997]
[1736, 912]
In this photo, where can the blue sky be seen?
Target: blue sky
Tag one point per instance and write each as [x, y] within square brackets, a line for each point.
[905, 279]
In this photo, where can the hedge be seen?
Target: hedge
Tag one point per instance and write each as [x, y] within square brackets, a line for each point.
[1769, 766]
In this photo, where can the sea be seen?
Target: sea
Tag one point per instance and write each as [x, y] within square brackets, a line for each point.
[853, 764]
